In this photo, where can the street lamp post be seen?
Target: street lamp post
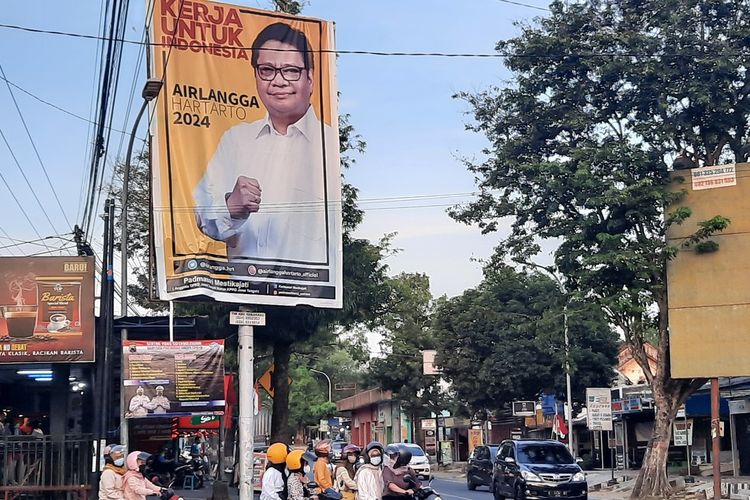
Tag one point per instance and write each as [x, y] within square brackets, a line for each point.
[150, 92]
[328, 379]
[568, 388]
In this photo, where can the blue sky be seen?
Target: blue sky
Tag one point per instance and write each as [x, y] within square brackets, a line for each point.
[402, 106]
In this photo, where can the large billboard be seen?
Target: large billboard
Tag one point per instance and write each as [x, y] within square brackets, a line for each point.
[246, 179]
[709, 292]
[47, 309]
[173, 378]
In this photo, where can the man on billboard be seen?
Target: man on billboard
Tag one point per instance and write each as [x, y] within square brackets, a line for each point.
[160, 403]
[263, 192]
[139, 404]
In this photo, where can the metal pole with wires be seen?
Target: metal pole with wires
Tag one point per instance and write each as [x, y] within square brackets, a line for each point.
[150, 92]
[568, 386]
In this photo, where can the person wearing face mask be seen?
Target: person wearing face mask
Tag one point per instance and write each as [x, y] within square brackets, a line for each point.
[298, 465]
[369, 477]
[399, 479]
[138, 487]
[111, 481]
[322, 469]
[274, 478]
[345, 471]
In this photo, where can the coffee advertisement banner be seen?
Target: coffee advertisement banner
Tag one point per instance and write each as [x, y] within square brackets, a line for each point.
[173, 378]
[47, 310]
[246, 180]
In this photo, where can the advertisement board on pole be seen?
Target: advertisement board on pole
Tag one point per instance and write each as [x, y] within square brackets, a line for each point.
[599, 409]
[47, 310]
[246, 179]
[524, 408]
[173, 378]
[683, 432]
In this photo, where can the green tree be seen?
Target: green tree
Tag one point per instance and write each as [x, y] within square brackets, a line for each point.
[503, 341]
[406, 333]
[604, 94]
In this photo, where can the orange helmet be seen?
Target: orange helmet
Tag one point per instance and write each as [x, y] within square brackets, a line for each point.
[277, 453]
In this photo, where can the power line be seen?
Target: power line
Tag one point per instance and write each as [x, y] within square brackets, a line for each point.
[28, 183]
[55, 106]
[525, 5]
[33, 145]
[28, 219]
[53, 250]
[7, 237]
[33, 242]
[498, 54]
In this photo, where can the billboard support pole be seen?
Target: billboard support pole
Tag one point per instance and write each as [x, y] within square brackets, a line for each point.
[715, 437]
[171, 320]
[124, 431]
[246, 419]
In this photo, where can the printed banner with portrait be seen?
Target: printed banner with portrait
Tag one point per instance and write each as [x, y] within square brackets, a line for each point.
[246, 180]
[47, 310]
[173, 378]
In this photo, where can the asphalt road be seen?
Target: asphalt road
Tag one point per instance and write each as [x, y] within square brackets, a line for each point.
[455, 489]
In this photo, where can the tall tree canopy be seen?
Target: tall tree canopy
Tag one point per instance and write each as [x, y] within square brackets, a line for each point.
[503, 341]
[406, 333]
[603, 95]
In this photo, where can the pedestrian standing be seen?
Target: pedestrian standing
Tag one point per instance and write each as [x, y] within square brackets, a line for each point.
[346, 470]
[369, 477]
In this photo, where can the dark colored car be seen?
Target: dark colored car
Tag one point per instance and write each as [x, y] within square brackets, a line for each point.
[479, 467]
[531, 469]
[337, 447]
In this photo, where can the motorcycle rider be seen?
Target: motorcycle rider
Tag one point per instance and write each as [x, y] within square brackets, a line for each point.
[274, 478]
[322, 469]
[395, 474]
[345, 471]
[111, 481]
[369, 477]
[137, 487]
[298, 464]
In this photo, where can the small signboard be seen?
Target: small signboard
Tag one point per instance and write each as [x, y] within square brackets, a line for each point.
[524, 408]
[599, 409]
[247, 318]
[683, 432]
[428, 424]
[714, 176]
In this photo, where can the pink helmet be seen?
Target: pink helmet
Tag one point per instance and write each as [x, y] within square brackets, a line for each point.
[132, 460]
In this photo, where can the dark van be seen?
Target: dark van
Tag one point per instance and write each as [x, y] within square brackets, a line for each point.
[531, 469]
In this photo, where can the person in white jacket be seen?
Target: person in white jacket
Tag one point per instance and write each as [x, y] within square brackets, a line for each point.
[369, 477]
[111, 482]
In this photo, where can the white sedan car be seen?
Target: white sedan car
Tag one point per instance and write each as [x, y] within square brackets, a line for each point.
[419, 461]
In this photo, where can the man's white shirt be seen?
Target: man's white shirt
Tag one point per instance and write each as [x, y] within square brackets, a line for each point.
[291, 222]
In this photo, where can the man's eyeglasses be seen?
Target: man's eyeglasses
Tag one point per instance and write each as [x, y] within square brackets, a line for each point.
[289, 73]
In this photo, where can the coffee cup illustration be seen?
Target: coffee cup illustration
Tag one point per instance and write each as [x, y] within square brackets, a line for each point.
[20, 320]
[57, 323]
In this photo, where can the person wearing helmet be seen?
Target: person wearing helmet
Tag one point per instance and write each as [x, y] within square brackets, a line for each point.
[298, 465]
[399, 479]
[274, 478]
[111, 481]
[138, 487]
[322, 469]
[345, 471]
[369, 477]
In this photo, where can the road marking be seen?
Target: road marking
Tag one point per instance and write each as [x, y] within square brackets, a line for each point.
[442, 495]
